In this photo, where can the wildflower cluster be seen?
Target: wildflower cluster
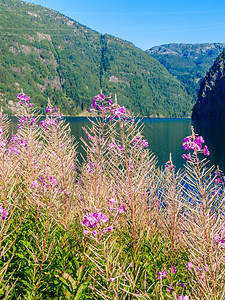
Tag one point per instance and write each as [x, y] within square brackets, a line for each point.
[169, 164]
[52, 115]
[91, 167]
[45, 124]
[128, 209]
[16, 144]
[30, 120]
[24, 100]
[110, 110]
[162, 275]
[220, 238]
[219, 177]
[137, 142]
[114, 206]
[53, 111]
[115, 146]
[3, 212]
[3, 144]
[93, 220]
[195, 144]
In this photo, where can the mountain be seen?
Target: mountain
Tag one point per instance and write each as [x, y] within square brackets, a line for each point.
[188, 62]
[49, 55]
[211, 98]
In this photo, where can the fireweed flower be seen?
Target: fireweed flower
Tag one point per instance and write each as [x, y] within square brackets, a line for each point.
[102, 104]
[195, 144]
[24, 100]
[93, 220]
[174, 270]
[183, 298]
[121, 209]
[115, 146]
[49, 110]
[52, 180]
[22, 120]
[111, 146]
[137, 142]
[221, 244]
[34, 184]
[47, 123]
[110, 228]
[169, 165]
[112, 201]
[218, 180]
[206, 268]
[120, 147]
[144, 143]
[162, 275]
[206, 151]
[189, 266]
[32, 121]
[94, 233]
[85, 232]
[3, 212]
[119, 111]
[91, 167]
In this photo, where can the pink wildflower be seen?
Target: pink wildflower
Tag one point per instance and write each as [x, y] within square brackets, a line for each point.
[3, 212]
[189, 266]
[162, 275]
[206, 151]
[122, 209]
[34, 184]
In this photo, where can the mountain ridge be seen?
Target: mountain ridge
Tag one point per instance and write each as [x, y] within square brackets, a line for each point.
[188, 62]
[50, 55]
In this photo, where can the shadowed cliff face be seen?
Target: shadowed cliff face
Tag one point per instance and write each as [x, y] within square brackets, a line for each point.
[211, 98]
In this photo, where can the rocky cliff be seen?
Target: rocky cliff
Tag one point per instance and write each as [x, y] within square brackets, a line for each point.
[211, 98]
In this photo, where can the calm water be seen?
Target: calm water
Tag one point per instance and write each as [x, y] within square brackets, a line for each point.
[166, 135]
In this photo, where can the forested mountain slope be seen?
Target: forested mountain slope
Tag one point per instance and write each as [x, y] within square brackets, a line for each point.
[188, 62]
[49, 55]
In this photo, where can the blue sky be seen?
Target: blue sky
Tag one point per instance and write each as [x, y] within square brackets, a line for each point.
[148, 23]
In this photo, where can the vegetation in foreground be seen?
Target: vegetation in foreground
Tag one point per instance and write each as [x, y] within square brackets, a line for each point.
[113, 227]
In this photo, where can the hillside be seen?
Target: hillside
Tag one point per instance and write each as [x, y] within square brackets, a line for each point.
[188, 62]
[49, 55]
[211, 97]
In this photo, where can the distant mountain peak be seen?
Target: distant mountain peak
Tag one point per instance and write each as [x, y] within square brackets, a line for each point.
[188, 62]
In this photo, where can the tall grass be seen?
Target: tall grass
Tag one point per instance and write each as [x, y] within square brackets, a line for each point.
[114, 226]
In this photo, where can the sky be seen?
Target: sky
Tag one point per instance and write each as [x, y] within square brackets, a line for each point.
[148, 23]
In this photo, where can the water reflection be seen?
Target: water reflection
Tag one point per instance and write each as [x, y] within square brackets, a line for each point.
[214, 135]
